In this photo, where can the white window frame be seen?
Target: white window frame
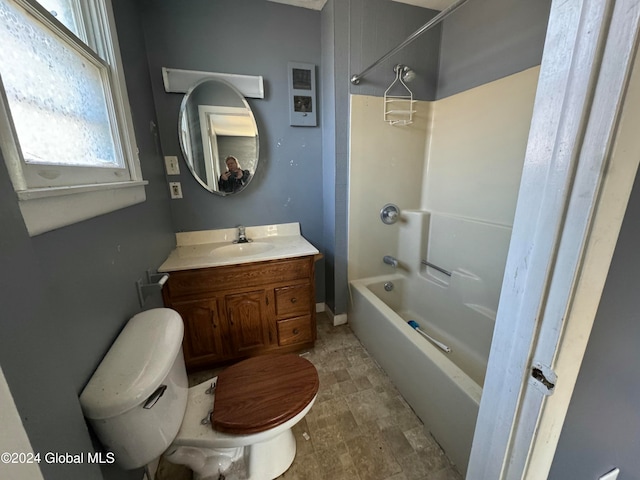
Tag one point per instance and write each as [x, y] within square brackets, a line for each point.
[54, 206]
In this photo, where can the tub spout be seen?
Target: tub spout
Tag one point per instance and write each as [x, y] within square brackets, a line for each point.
[389, 260]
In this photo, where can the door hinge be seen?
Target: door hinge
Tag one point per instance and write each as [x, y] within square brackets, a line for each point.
[543, 378]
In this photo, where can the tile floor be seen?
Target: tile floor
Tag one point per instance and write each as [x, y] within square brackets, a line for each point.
[360, 428]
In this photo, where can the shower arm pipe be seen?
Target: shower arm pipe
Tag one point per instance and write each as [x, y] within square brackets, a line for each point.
[355, 79]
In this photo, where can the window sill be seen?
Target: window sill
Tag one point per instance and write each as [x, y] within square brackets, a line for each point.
[45, 209]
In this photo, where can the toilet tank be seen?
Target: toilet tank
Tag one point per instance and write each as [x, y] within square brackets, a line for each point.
[136, 399]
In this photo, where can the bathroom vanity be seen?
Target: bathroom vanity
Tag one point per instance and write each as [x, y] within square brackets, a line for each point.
[239, 300]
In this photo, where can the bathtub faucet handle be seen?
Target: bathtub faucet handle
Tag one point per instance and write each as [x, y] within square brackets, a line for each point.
[389, 214]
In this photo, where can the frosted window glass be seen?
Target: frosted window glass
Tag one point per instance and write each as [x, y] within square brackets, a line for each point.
[62, 10]
[55, 95]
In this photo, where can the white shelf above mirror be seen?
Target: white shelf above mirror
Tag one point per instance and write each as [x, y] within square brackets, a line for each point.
[180, 81]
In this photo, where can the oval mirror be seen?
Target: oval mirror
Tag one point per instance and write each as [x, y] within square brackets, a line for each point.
[218, 136]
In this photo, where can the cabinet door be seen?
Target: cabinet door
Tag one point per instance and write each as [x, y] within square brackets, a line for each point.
[203, 341]
[248, 323]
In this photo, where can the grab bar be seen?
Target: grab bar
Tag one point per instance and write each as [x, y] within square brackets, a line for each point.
[435, 267]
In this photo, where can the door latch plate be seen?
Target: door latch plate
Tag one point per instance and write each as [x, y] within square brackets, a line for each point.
[543, 378]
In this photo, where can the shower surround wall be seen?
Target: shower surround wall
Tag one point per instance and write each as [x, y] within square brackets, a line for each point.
[386, 166]
[461, 161]
[481, 42]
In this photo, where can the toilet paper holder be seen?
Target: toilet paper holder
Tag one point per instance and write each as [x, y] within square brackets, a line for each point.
[154, 283]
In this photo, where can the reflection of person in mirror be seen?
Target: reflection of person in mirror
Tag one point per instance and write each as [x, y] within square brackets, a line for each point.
[234, 178]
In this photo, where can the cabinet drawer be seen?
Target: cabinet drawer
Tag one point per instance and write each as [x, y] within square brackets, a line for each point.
[294, 330]
[293, 300]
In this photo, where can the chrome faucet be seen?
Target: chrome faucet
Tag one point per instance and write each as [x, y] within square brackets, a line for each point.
[389, 260]
[242, 237]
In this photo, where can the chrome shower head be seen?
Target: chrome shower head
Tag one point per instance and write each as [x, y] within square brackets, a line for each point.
[406, 73]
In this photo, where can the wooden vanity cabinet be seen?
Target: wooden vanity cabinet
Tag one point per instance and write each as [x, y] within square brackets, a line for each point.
[238, 311]
[203, 322]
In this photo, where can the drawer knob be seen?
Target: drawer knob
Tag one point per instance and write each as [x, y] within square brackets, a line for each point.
[293, 300]
[296, 331]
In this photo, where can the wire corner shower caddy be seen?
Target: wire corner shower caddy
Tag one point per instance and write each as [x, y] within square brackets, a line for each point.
[399, 108]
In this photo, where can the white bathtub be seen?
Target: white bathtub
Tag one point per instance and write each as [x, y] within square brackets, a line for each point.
[443, 389]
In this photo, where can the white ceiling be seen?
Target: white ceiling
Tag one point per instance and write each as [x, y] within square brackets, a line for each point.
[432, 4]
[318, 4]
[312, 4]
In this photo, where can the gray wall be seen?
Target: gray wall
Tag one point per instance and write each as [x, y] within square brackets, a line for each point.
[355, 33]
[259, 38]
[66, 294]
[486, 40]
[302, 175]
[378, 26]
[251, 37]
[602, 428]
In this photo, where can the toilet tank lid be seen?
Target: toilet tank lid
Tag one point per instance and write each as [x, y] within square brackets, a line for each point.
[135, 365]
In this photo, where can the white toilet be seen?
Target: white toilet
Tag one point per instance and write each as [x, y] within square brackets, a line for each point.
[140, 407]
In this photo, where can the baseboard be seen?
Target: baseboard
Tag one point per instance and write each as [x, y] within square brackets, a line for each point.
[320, 307]
[340, 319]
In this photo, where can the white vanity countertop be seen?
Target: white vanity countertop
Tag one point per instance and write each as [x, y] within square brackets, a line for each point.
[213, 248]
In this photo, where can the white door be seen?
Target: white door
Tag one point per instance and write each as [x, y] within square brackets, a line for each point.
[581, 160]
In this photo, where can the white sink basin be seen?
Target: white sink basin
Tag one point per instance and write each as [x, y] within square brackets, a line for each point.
[242, 249]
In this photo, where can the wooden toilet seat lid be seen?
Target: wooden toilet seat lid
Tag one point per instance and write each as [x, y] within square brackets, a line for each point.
[263, 392]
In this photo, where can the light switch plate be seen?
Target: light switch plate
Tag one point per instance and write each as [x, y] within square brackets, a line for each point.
[612, 475]
[171, 165]
[176, 189]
